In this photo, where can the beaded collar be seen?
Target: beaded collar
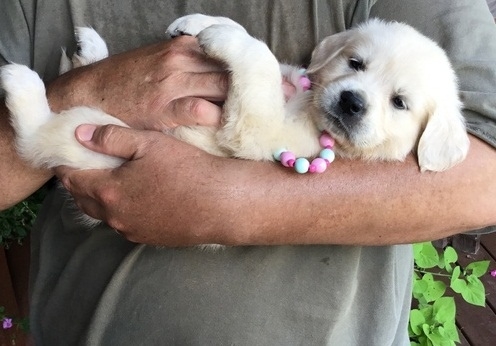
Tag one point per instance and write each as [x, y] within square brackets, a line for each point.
[302, 165]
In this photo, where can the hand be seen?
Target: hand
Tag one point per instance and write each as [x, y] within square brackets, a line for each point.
[154, 87]
[158, 197]
[173, 194]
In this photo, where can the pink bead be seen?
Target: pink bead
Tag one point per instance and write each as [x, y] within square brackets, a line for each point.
[318, 165]
[288, 159]
[326, 141]
[305, 83]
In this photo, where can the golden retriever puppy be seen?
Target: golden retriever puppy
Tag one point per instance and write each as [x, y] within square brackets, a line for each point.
[380, 90]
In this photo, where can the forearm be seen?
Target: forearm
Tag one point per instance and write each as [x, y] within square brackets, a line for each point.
[18, 179]
[355, 203]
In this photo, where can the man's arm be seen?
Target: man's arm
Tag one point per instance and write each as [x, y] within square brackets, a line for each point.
[170, 193]
[174, 80]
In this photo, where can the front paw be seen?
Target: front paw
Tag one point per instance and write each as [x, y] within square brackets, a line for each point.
[19, 81]
[91, 47]
[234, 46]
[194, 23]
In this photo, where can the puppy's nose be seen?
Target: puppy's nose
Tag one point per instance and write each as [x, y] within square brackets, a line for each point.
[352, 103]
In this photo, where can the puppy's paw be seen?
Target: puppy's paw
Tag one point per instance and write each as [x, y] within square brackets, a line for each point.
[234, 46]
[194, 23]
[91, 47]
[25, 98]
[20, 83]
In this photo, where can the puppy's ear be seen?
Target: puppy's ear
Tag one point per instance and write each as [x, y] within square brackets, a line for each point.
[444, 142]
[327, 50]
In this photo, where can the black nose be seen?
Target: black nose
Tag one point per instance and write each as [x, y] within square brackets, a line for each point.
[352, 103]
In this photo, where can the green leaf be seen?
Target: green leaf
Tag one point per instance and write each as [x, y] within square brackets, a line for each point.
[451, 332]
[475, 292]
[424, 341]
[436, 336]
[459, 285]
[435, 288]
[417, 319]
[478, 268]
[419, 287]
[449, 256]
[444, 310]
[455, 275]
[425, 255]
[427, 313]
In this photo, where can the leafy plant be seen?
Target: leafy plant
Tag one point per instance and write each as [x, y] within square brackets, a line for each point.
[16, 222]
[432, 322]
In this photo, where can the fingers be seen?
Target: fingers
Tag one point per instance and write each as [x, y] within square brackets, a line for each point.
[212, 86]
[84, 186]
[113, 140]
[194, 104]
[192, 111]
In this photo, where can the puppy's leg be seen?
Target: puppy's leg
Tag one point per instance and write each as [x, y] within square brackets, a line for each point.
[254, 109]
[43, 138]
[25, 99]
[194, 23]
[91, 48]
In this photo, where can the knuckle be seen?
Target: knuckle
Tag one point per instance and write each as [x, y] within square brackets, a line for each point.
[108, 196]
[115, 223]
[196, 107]
[66, 182]
[106, 134]
[178, 48]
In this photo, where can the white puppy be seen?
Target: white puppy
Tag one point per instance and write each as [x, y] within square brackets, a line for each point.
[381, 90]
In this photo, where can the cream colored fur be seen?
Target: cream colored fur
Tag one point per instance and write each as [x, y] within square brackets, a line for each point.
[398, 66]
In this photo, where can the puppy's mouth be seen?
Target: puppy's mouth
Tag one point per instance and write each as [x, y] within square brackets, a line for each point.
[336, 126]
[343, 112]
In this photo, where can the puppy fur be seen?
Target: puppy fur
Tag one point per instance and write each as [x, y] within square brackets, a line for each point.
[381, 90]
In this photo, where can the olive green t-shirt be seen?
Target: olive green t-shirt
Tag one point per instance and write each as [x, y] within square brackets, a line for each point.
[92, 287]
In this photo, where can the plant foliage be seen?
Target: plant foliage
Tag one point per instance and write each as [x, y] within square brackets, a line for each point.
[16, 222]
[432, 323]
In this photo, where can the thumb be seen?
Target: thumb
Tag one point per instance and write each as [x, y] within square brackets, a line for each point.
[112, 140]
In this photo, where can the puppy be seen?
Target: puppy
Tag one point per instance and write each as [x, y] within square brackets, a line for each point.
[380, 90]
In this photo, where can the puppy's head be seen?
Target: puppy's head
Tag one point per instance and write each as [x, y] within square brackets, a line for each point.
[382, 89]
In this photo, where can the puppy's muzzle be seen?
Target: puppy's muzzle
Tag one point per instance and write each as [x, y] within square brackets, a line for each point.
[348, 110]
[352, 104]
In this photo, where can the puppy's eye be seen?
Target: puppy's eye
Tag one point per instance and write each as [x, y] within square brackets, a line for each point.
[399, 103]
[356, 64]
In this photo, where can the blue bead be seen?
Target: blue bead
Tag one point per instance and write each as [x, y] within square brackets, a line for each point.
[327, 154]
[301, 165]
[277, 153]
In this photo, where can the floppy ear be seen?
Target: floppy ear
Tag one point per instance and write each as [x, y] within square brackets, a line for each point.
[444, 142]
[327, 50]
